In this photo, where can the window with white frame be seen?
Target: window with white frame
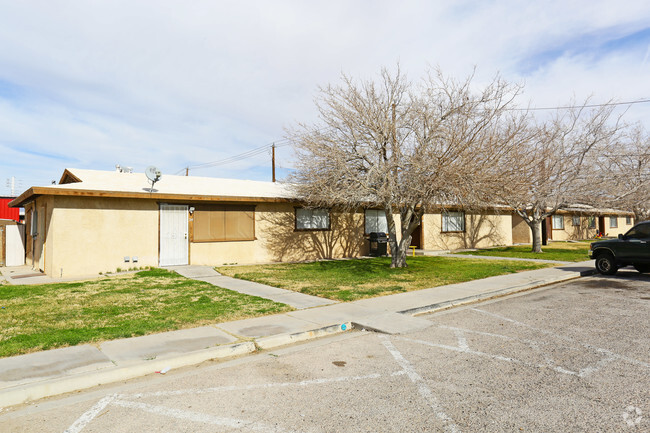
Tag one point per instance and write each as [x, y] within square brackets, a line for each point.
[312, 219]
[376, 221]
[575, 220]
[613, 222]
[628, 220]
[558, 222]
[453, 222]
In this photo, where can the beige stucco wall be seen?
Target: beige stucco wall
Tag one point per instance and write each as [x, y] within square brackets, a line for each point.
[481, 230]
[622, 228]
[87, 236]
[571, 232]
[276, 240]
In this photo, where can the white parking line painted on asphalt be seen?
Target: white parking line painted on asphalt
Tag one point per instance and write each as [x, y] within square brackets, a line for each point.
[254, 386]
[199, 417]
[606, 352]
[125, 400]
[88, 416]
[423, 389]
[632, 416]
[460, 336]
[535, 345]
[116, 400]
[486, 355]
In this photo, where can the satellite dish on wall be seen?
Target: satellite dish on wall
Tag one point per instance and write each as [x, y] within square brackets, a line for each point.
[153, 174]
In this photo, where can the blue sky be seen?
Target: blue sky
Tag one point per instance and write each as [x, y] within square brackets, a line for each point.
[174, 84]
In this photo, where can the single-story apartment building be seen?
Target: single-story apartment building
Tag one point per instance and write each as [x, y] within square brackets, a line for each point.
[576, 222]
[100, 221]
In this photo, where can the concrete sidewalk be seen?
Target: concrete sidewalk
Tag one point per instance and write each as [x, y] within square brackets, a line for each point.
[297, 300]
[33, 376]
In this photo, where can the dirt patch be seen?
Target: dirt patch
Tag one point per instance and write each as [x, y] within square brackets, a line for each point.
[605, 284]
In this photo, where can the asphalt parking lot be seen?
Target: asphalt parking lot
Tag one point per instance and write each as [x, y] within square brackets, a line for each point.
[571, 357]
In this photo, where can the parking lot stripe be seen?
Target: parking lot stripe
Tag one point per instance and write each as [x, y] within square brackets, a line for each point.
[605, 352]
[198, 417]
[88, 416]
[423, 389]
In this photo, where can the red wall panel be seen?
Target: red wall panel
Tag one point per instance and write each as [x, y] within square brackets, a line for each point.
[8, 213]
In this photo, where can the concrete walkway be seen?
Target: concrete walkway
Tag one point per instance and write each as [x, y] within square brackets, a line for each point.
[26, 275]
[33, 376]
[289, 297]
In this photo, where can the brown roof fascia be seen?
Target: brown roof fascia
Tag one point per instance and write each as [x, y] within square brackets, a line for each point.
[22, 198]
[30, 194]
[594, 212]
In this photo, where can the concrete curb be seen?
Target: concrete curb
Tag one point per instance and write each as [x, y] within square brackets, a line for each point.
[61, 385]
[489, 295]
[274, 341]
[50, 387]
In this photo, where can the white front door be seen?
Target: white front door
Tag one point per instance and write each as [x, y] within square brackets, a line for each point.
[173, 234]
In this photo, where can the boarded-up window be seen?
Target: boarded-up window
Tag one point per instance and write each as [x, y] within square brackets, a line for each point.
[217, 223]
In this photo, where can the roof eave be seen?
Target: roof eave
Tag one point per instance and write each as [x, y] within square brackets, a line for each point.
[33, 192]
[24, 198]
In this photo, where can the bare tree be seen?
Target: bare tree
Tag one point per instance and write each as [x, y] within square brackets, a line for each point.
[553, 168]
[404, 148]
[623, 174]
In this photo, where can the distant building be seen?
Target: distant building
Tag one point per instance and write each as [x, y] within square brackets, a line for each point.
[6, 212]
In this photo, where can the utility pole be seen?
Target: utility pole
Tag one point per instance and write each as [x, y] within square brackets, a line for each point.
[187, 171]
[273, 160]
[11, 183]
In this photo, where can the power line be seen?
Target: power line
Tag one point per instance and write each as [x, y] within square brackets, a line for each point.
[238, 157]
[286, 141]
[567, 107]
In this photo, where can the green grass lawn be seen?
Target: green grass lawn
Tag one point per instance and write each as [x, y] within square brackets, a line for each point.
[47, 316]
[562, 251]
[349, 280]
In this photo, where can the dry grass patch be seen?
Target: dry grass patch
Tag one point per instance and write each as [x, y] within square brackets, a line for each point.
[54, 315]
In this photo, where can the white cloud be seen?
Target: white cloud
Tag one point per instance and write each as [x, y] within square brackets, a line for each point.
[174, 83]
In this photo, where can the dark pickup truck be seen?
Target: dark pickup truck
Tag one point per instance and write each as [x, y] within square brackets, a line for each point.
[632, 248]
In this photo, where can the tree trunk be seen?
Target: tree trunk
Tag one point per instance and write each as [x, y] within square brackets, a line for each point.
[536, 227]
[398, 257]
[392, 238]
